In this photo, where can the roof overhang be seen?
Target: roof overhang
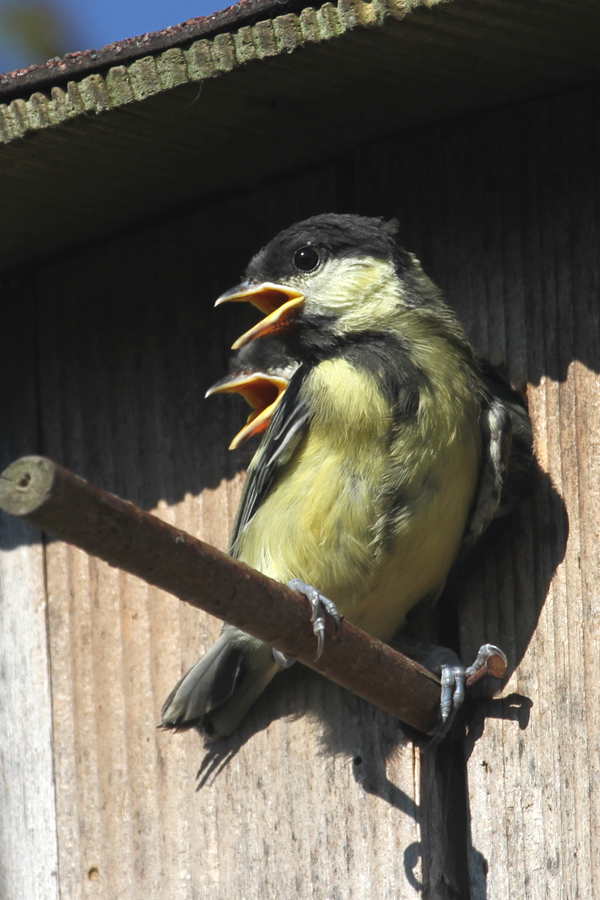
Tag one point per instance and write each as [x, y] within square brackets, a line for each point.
[91, 146]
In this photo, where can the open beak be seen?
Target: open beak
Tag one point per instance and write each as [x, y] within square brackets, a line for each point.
[262, 391]
[279, 302]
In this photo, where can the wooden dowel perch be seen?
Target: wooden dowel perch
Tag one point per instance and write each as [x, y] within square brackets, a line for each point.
[53, 499]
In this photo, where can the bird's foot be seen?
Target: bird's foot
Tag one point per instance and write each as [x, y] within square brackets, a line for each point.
[455, 678]
[490, 661]
[321, 606]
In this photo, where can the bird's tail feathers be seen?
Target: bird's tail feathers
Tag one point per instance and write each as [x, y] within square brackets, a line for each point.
[215, 694]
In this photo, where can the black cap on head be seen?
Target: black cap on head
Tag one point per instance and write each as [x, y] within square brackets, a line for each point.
[334, 236]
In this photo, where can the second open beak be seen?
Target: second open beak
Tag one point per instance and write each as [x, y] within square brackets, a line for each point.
[261, 390]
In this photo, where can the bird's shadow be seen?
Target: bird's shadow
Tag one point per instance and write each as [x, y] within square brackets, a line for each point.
[138, 368]
[369, 738]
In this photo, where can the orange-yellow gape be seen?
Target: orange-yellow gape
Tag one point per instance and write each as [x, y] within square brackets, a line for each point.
[387, 451]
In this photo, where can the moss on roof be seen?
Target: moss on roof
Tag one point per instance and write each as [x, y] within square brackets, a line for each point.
[202, 59]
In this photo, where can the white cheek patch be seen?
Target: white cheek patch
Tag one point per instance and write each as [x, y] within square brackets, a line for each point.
[357, 290]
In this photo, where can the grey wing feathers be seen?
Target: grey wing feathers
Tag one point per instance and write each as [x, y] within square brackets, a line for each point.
[283, 435]
[521, 463]
[496, 434]
[507, 463]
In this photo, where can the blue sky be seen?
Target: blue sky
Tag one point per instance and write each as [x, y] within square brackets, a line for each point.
[90, 24]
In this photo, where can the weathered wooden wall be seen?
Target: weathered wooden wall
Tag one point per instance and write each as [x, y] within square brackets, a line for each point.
[505, 211]
[108, 355]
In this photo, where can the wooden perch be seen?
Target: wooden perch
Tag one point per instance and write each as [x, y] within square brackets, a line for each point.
[53, 499]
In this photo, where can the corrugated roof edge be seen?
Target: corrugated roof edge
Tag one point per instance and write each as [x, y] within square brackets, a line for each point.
[137, 78]
[55, 72]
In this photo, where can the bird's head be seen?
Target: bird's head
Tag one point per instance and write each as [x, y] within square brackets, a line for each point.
[260, 372]
[332, 275]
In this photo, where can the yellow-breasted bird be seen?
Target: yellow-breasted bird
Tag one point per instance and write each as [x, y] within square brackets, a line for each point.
[385, 459]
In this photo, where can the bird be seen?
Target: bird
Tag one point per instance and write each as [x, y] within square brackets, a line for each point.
[260, 372]
[389, 452]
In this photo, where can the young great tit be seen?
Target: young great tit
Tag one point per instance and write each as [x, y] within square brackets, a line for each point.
[260, 372]
[385, 458]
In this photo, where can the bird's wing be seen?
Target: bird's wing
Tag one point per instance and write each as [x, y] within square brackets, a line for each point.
[496, 437]
[288, 426]
[521, 465]
[507, 459]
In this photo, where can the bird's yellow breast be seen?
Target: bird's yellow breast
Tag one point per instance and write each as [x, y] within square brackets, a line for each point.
[369, 511]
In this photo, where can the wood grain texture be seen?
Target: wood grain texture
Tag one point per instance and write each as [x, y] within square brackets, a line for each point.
[28, 839]
[549, 770]
[505, 213]
[318, 791]
[318, 794]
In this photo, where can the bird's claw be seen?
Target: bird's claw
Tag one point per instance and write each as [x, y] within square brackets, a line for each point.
[490, 661]
[456, 677]
[320, 606]
[453, 689]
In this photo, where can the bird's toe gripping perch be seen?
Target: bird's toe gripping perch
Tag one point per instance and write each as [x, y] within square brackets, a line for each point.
[455, 678]
[321, 606]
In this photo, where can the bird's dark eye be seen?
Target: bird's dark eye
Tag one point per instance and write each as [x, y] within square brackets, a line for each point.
[307, 259]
